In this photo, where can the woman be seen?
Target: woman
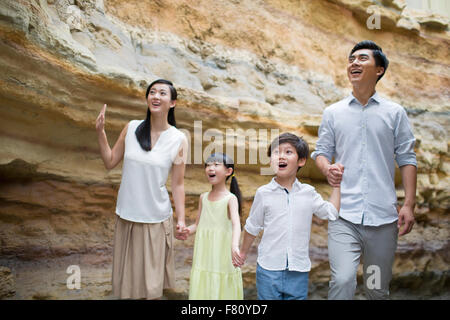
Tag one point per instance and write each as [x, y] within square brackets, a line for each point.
[143, 263]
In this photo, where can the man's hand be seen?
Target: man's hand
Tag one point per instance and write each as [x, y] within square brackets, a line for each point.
[406, 219]
[334, 174]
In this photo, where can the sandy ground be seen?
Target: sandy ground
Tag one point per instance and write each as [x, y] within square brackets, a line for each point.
[47, 279]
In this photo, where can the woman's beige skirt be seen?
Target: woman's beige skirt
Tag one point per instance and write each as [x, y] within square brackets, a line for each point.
[143, 262]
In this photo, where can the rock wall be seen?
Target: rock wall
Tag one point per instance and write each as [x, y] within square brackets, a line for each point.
[238, 65]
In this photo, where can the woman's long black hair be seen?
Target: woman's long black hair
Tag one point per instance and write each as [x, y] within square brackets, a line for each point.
[234, 186]
[143, 130]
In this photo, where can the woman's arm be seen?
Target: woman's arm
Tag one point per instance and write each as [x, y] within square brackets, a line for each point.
[111, 158]
[178, 169]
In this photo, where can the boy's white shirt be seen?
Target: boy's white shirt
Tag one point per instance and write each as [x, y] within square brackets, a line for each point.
[286, 220]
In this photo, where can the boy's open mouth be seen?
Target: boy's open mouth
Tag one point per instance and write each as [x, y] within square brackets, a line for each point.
[211, 175]
[282, 165]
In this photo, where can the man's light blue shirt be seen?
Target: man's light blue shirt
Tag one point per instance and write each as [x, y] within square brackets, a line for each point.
[367, 140]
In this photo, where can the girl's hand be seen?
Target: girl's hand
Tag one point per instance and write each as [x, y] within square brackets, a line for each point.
[100, 122]
[236, 258]
[183, 233]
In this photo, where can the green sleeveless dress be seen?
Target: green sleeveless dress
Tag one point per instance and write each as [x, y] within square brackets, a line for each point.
[213, 276]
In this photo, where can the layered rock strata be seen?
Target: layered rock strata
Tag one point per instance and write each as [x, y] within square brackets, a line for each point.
[242, 69]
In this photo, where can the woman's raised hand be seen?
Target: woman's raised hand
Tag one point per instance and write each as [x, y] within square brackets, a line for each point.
[100, 122]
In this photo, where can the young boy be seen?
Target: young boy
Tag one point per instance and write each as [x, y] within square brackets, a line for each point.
[283, 209]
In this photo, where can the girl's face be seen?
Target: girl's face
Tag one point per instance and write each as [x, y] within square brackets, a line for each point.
[217, 172]
[284, 160]
[159, 99]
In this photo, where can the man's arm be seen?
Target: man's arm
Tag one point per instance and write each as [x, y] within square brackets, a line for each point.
[406, 213]
[405, 156]
[325, 150]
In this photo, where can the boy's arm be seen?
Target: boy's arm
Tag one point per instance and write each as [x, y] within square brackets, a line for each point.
[246, 244]
[335, 198]
[327, 209]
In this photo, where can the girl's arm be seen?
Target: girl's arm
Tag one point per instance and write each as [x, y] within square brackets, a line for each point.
[178, 169]
[233, 210]
[193, 227]
[111, 158]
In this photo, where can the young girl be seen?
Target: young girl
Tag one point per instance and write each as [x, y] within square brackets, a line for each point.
[216, 249]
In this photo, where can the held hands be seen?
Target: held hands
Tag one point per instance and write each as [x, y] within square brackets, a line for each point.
[334, 174]
[237, 257]
[182, 232]
[100, 122]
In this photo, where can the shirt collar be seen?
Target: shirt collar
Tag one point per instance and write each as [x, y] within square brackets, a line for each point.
[273, 185]
[375, 97]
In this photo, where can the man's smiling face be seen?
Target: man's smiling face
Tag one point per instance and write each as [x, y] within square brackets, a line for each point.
[362, 67]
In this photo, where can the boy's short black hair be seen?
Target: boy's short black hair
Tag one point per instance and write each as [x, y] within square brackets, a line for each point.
[380, 58]
[300, 145]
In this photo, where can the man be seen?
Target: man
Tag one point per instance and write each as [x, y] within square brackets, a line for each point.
[365, 133]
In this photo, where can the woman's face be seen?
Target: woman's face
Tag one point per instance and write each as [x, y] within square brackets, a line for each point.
[159, 99]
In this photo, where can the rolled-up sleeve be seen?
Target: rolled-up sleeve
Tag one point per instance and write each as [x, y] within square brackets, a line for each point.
[323, 209]
[325, 145]
[255, 220]
[404, 141]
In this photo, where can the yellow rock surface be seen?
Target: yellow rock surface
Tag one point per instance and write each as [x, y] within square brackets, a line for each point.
[239, 65]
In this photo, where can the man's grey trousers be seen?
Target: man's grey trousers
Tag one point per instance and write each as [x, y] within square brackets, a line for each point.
[347, 242]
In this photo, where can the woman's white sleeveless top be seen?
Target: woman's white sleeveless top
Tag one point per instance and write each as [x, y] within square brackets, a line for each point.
[143, 196]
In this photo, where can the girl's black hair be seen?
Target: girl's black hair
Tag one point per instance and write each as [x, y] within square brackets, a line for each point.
[234, 186]
[143, 130]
